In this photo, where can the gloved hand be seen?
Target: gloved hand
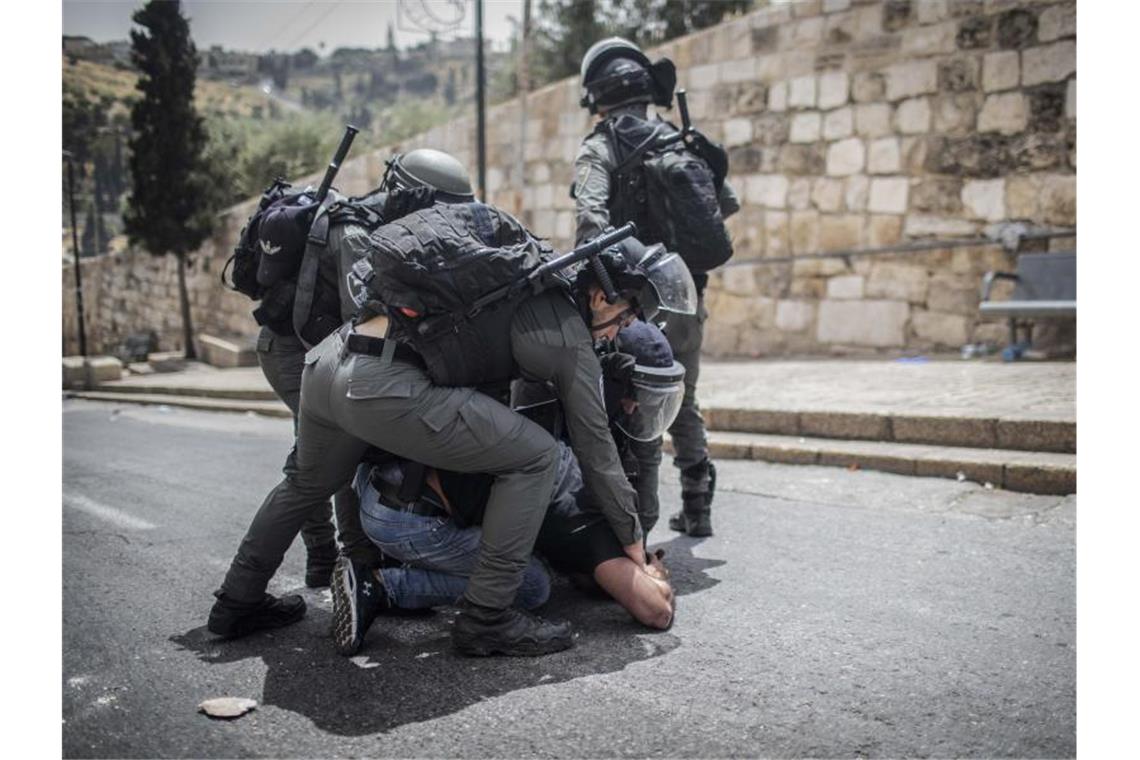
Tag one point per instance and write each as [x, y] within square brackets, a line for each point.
[713, 154]
[617, 367]
[403, 201]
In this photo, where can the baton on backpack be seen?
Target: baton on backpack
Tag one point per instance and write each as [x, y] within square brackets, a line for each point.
[588, 250]
[334, 165]
[536, 279]
[683, 107]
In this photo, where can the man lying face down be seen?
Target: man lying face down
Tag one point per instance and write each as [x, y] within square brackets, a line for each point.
[428, 521]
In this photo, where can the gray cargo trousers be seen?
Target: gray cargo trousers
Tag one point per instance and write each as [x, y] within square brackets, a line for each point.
[690, 443]
[282, 359]
[351, 400]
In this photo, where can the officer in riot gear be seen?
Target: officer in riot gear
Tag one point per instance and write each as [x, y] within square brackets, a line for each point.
[429, 168]
[317, 300]
[619, 83]
[365, 385]
[643, 387]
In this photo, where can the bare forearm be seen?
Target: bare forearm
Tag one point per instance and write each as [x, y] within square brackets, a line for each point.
[648, 599]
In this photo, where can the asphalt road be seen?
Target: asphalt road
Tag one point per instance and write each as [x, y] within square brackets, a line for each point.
[834, 613]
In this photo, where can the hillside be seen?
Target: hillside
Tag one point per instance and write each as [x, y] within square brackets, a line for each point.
[97, 80]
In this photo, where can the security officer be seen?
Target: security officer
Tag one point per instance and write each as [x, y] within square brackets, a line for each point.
[303, 309]
[363, 385]
[619, 80]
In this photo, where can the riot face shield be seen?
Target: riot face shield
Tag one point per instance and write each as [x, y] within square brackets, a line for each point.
[656, 394]
[668, 278]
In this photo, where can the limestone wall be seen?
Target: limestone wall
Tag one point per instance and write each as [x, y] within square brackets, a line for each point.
[849, 124]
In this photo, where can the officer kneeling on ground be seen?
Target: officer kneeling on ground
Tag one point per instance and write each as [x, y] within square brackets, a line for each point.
[299, 309]
[410, 391]
[307, 290]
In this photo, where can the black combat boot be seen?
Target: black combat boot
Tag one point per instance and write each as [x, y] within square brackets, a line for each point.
[695, 517]
[358, 596]
[319, 564]
[481, 631]
[231, 619]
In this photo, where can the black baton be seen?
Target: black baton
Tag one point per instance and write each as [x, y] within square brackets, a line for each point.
[334, 165]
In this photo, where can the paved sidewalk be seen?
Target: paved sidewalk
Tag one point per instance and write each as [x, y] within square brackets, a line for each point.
[944, 387]
[200, 379]
[1012, 426]
[1044, 391]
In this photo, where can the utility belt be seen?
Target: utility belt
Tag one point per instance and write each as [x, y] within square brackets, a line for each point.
[395, 497]
[366, 344]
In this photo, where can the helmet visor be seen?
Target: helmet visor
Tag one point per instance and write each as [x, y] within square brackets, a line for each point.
[657, 395]
[671, 280]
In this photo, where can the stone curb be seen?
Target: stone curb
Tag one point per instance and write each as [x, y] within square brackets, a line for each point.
[941, 430]
[267, 408]
[1013, 470]
[1027, 472]
[231, 394]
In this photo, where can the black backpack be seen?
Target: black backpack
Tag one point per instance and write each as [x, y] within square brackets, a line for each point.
[246, 258]
[440, 273]
[667, 190]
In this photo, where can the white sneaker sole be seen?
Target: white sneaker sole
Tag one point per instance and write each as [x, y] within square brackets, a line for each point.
[344, 608]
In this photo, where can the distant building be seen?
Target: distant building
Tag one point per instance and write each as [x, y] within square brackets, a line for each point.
[219, 63]
[107, 53]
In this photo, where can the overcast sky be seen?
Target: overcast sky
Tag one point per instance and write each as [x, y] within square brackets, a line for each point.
[289, 25]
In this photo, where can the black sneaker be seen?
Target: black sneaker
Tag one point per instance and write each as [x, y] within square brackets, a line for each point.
[358, 596]
[319, 564]
[231, 620]
[482, 631]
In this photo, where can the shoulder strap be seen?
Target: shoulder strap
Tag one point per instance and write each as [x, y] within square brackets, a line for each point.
[481, 217]
[354, 212]
[639, 150]
[307, 276]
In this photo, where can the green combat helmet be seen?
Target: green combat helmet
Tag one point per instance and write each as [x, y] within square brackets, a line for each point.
[425, 167]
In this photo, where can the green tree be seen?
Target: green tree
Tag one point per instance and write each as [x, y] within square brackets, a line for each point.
[171, 209]
[563, 32]
[82, 120]
[565, 29]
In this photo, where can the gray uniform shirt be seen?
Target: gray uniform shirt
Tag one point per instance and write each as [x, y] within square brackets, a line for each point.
[551, 343]
[592, 168]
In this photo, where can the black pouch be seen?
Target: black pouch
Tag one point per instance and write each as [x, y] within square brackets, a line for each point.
[466, 351]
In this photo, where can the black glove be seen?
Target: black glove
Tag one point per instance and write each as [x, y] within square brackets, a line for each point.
[713, 154]
[617, 366]
[403, 201]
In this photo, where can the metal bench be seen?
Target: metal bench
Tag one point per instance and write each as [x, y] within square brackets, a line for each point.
[1046, 289]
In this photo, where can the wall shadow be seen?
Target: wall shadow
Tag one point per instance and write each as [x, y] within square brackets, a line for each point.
[406, 671]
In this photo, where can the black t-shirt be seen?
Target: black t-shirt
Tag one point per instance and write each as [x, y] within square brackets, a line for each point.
[572, 544]
[577, 543]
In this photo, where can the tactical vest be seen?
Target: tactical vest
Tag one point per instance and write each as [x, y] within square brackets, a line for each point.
[439, 272]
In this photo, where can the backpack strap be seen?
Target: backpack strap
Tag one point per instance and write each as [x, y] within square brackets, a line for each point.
[638, 151]
[481, 218]
[352, 212]
[307, 276]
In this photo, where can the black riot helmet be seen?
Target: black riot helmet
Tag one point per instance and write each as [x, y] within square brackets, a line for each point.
[643, 384]
[615, 72]
[425, 167]
[649, 277]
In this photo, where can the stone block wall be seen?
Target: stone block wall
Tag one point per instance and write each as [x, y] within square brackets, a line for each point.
[849, 125]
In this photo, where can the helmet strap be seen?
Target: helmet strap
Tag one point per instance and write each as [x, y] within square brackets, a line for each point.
[621, 316]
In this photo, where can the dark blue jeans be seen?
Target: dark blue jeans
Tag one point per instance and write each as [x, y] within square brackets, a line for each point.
[438, 555]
